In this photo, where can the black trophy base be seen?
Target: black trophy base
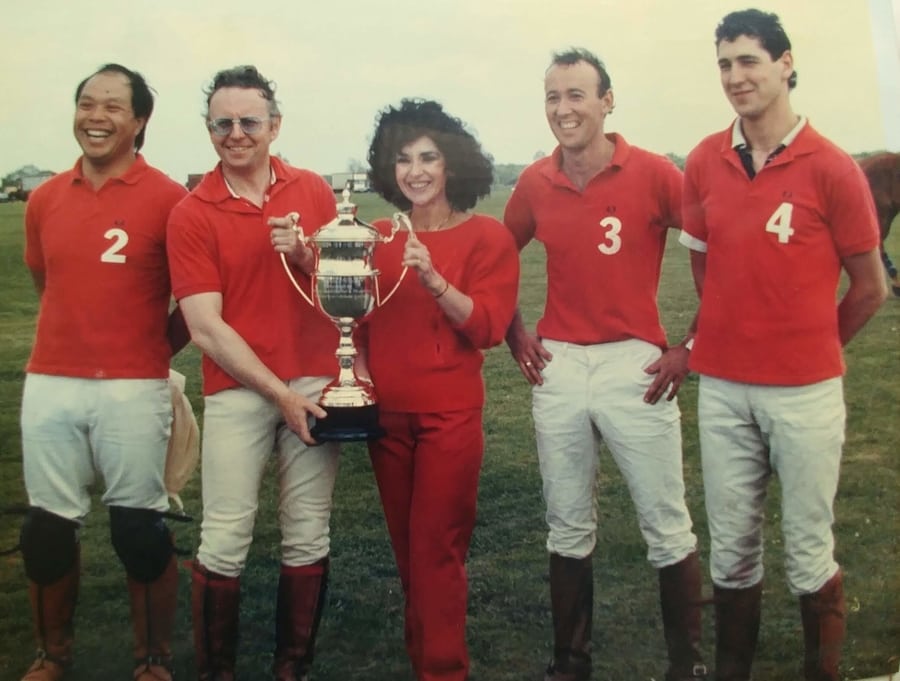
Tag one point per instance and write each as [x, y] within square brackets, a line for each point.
[348, 424]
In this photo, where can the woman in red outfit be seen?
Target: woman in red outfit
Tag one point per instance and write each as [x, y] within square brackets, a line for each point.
[424, 350]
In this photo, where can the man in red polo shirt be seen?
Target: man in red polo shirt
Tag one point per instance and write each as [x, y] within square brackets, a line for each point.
[267, 355]
[599, 362]
[96, 396]
[772, 213]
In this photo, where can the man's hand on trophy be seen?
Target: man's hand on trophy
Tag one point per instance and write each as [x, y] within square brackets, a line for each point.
[296, 410]
[286, 238]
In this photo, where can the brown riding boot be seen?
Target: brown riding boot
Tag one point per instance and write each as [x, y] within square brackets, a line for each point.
[572, 603]
[680, 602]
[824, 616]
[53, 609]
[301, 598]
[737, 631]
[215, 607]
[153, 618]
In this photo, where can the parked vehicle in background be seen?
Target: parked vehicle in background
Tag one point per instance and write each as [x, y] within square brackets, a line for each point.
[355, 182]
[23, 185]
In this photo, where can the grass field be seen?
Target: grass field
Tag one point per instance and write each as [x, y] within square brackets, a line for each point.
[509, 617]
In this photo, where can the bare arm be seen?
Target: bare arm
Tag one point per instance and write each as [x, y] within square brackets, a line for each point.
[671, 369]
[698, 269]
[865, 295]
[218, 340]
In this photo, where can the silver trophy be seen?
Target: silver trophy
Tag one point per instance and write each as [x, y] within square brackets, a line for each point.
[345, 289]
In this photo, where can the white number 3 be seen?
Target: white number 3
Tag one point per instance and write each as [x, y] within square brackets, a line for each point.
[780, 222]
[112, 253]
[613, 240]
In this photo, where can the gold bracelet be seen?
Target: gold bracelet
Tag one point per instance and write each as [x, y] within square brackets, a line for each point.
[446, 286]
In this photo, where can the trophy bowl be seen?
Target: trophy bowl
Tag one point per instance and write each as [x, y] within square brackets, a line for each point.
[345, 289]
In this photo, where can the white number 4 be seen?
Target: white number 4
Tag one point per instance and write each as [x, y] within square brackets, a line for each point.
[120, 239]
[780, 222]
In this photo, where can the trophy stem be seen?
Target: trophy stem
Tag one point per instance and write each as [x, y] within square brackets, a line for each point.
[351, 404]
[346, 352]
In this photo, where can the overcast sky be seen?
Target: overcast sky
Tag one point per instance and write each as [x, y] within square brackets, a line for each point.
[337, 63]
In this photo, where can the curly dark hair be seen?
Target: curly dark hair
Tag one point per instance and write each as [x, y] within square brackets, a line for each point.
[244, 77]
[141, 96]
[470, 170]
[764, 26]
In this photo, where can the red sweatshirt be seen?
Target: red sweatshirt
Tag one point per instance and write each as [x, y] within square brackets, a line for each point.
[419, 361]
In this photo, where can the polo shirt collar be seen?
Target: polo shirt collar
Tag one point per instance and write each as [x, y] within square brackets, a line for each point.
[619, 159]
[213, 188]
[738, 139]
[742, 148]
[234, 194]
[130, 176]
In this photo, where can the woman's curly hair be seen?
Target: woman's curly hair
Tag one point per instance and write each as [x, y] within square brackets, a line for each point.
[470, 171]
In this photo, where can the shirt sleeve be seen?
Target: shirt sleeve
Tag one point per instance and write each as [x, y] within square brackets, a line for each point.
[191, 249]
[517, 216]
[493, 284]
[851, 210]
[34, 251]
[693, 219]
[671, 190]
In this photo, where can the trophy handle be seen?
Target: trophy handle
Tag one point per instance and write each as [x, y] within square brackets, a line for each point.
[295, 225]
[397, 219]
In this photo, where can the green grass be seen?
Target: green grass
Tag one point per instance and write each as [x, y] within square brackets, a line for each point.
[509, 624]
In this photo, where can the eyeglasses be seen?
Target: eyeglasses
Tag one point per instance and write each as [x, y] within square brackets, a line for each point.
[223, 126]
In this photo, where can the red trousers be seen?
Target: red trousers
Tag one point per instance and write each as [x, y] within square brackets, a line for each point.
[427, 469]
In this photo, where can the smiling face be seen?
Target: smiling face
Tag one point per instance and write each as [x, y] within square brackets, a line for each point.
[575, 109]
[753, 82]
[242, 153]
[421, 173]
[105, 125]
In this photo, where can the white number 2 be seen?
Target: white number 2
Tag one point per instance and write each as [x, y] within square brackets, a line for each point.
[780, 222]
[613, 240]
[112, 253]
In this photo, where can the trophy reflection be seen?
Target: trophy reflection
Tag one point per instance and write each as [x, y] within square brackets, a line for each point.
[345, 289]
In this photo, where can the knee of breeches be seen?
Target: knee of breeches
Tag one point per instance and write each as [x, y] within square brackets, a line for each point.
[738, 572]
[571, 544]
[49, 545]
[141, 540]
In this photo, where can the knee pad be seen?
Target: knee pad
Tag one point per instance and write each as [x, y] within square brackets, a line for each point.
[142, 541]
[49, 545]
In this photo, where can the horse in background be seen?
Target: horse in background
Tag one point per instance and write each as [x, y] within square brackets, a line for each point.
[883, 173]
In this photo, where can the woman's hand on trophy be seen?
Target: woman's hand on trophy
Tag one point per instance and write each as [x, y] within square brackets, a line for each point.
[417, 257]
[286, 238]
